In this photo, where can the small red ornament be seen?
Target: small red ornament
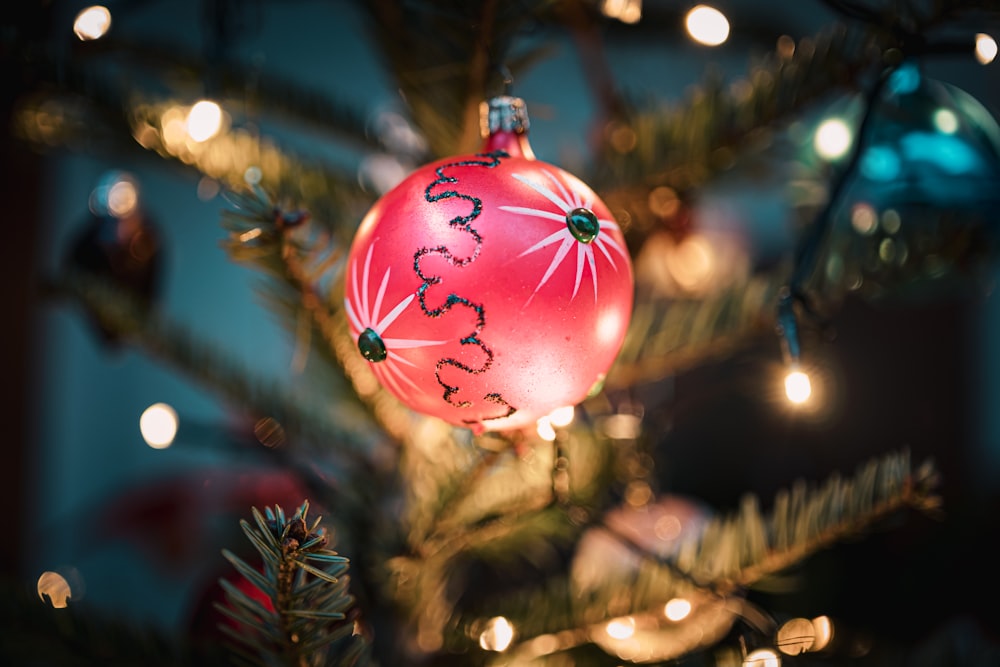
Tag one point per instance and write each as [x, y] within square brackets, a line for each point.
[490, 289]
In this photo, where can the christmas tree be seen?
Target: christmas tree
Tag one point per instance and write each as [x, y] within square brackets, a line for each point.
[556, 332]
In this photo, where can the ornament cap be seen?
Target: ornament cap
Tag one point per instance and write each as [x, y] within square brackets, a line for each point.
[503, 123]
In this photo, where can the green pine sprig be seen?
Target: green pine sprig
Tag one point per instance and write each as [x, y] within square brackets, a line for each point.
[310, 616]
[734, 552]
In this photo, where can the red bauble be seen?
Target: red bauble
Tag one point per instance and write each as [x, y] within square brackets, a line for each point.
[490, 289]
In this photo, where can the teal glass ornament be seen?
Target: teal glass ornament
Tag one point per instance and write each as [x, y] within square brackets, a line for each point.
[917, 216]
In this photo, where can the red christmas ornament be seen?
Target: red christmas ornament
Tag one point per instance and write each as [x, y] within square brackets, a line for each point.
[490, 289]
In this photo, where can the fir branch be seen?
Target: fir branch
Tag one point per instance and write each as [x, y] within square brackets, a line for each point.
[741, 549]
[669, 335]
[731, 554]
[684, 145]
[332, 196]
[808, 520]
[332, 424]
[443, 79]
[84, 109]
[308, 620]
[306, 285]
[253, 92]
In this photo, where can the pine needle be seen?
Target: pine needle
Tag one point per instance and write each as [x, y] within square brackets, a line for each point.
[310, 623]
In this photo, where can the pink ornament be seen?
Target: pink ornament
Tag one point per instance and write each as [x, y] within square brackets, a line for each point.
[490, 289]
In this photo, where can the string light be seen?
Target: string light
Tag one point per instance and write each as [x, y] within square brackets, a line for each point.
[158, 425]
[798, 388]
[563, 416]
[620, 628]
[677, 609]
[123, 198]
[823, 630]
[544, 429]
[986, 48]
[795, 636]
[54, 586]
[707, 25]
[626, 11]
[92, 23]
[762, 657]
[204, 121]
[498, 635]
[946, 121]
[832, 139]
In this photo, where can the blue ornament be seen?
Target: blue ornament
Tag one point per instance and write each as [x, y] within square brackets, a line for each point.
[917, 215]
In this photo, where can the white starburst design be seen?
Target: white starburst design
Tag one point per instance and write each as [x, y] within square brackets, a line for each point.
[362, 318]
[565, 201]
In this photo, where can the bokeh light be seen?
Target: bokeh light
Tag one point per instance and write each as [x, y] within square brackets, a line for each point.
[498, 635]
[823, 629]
[204, 121]
[762, 657]
[54, 586]
[677, 609]
[562, 416]
[795, 636]
[626, 11]
[92, 23]
[986, 48]
[544, 429]
[833, 139]
[620, 628]
[123, 198]
[798, 388]
[707, 25]
[158, 425]
[946, 121]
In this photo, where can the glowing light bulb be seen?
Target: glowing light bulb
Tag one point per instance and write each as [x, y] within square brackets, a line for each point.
[986, 48]
[158, 425]
[123, 198]
[796, 636]
[832, 139]
[55, 586]
[203, 121]
[823, 629]
[562, 416]
[620, 628]
[946, 121]
[544, 429]
[498, 635]
[707, 25]
[677, 609]
[92, 23]
[626, 11]
[798, 389]
[762, 657]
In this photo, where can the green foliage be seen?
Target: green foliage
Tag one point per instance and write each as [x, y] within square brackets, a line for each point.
[308, 618]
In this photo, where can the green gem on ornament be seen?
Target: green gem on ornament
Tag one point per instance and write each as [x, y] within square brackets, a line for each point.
[371, 346]
[583, 224]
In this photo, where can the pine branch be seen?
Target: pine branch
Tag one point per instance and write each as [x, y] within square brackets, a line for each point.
[86, 110]
[333, 424]
[743, 549]
[306, 272]
[332, 196]
[682, 146]
[243, 90]
[669, 335]
[444, 78]
[709, 569]
[308, 618]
